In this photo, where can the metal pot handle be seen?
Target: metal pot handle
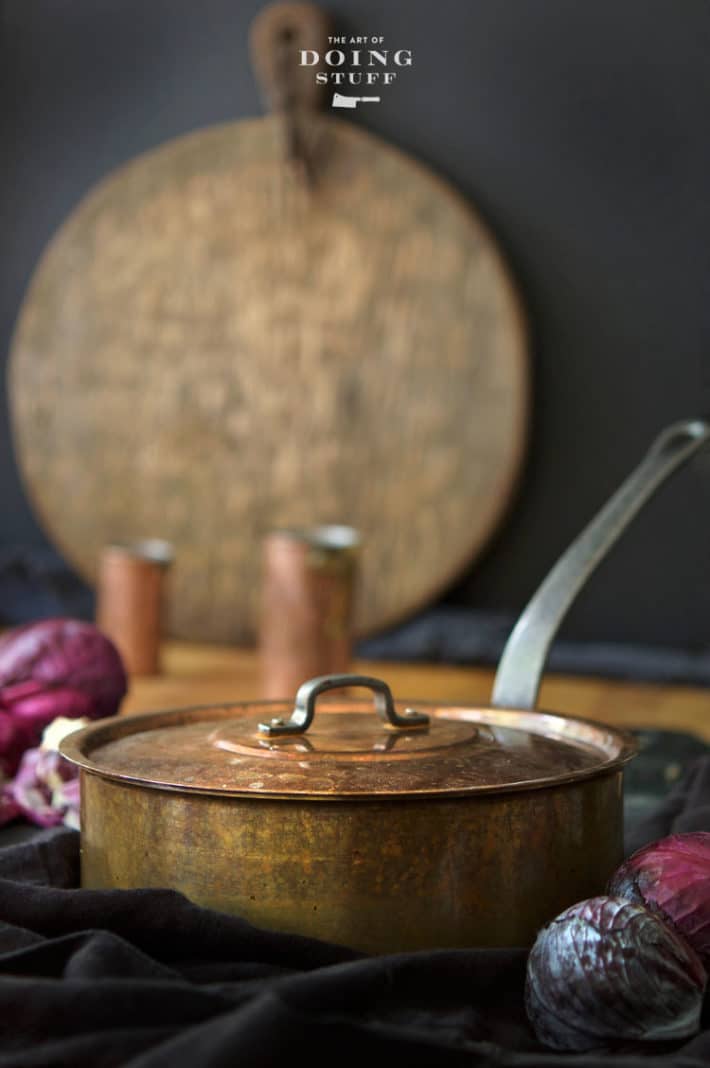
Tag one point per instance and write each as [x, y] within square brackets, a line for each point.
[517, 680]
[305, 706]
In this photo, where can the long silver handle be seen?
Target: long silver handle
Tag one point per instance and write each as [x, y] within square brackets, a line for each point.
[517, 680]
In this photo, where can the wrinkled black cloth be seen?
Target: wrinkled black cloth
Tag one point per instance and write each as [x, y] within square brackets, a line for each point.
[36, 584]
[145, 979]
[455, 635]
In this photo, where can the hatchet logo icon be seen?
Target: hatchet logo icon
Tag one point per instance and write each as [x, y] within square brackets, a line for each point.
[340, 101]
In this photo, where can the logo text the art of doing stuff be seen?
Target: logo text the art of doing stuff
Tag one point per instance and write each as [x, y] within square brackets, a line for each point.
[368, 62]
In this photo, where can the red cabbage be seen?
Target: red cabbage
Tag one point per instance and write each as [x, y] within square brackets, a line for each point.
[672, 877]
[12, 744]
[607, 970]
[45, 790]
[57, 667]
[9, 808]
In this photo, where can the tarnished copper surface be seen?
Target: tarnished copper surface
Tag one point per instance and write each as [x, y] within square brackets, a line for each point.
[473, 829]
[347, 752]
[379, 876]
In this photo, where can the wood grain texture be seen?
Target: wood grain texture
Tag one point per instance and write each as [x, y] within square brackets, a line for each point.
[208, 350]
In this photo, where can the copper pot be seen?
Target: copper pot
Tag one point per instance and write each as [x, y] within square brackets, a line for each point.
[407, 829]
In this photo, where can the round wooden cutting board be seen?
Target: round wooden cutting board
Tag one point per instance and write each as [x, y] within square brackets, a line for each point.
[211, 347]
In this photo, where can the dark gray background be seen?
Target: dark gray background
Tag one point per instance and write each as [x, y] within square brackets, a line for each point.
[580, 130]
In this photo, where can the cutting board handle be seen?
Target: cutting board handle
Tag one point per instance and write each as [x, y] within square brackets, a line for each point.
[279, 34]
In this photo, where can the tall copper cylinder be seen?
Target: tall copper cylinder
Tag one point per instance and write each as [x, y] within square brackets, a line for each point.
[130, 599]
[307, 595]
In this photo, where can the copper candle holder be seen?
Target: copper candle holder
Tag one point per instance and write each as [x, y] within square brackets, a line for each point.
[130, 595]
[307, 595]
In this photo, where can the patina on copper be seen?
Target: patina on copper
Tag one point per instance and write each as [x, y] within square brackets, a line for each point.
[348, 753]
[376, 875]
[377, 836]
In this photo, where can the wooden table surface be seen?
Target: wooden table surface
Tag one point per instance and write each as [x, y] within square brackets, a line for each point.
[203, 674]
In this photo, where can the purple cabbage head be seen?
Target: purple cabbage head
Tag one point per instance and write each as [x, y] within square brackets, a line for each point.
[12, 744]
[672, 878]
[9, 808]
[45, 789]
[57, 667]
[608, 970]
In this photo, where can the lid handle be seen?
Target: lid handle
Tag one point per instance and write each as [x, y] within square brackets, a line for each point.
[520, 669]
[305, 706]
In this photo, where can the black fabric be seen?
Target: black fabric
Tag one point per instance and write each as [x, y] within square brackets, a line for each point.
[145, 979]
[456, 635]
[37, 584]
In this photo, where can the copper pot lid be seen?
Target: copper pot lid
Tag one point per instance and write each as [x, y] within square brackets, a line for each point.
[345, 750]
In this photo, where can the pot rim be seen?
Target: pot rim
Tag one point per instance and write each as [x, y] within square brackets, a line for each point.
[78, 746]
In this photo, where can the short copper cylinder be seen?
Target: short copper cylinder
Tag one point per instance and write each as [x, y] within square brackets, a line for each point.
[380, 876]
[130, 599]
[307, 595]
